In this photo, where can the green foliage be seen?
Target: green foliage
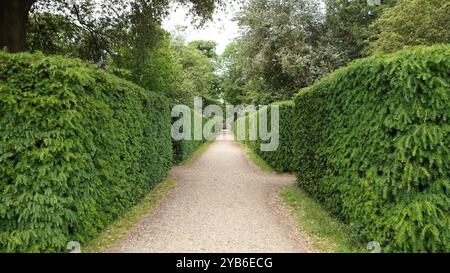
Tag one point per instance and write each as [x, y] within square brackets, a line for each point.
[347, 26]
[280, 159]
[412, 22]
[183, 149]
[78, 147]
[120, 228]
[102, 27]
[157, 69]
[231, 74]
[170, 68]
[372, 143]
[288, 45]
[52, 34]
[326, 233]
[208, 48]
[198, 70]
[281, 46]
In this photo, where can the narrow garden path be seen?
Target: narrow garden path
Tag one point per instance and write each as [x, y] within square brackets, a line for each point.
[222, 203]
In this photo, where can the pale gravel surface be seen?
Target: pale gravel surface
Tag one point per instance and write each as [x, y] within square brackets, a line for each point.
[222, 203]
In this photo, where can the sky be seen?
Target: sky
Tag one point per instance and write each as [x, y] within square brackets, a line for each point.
[222, 29]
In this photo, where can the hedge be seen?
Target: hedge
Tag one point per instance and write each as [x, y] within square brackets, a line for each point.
[372, 143]
[78, 147]
[281, 158]
[183, 149]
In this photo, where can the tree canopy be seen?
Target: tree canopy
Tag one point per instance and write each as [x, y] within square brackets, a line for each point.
[286, 45]
[101, 19]
[347, 26]
[412, 22]
[208, 48]
[282, 45]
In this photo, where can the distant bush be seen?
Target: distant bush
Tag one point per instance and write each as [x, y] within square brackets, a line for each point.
[372, 143]
[282, 158]
[78, 147]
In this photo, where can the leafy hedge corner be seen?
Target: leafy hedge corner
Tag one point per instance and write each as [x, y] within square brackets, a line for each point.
[78, 147]
[281, 160]
[372, 143]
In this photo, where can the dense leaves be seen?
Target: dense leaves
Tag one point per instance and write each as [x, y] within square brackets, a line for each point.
[372, 143]
[281, 158]
[157, 68]
[208, 48]
[78, 147]
[347, 26]
[281, 42]
[170, 68]
[183, 149]
[198, 70]
[288, 45]
[412, 22]
[103, 21]
[231, 78]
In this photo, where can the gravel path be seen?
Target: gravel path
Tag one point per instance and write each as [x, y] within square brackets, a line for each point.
[221, 203]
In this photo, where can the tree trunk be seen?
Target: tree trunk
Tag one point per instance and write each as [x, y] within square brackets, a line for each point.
[13, 23]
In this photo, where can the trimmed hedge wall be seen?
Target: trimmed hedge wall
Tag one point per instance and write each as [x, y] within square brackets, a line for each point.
[280, 159]
[183, 149]
[372, 143]
[78, 147]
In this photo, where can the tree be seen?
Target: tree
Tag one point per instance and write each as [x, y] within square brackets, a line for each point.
[13, 19]
[96, 17]
[171, 68]
[231, 78]
[347, 24]
[412, 22]
[55, 34]
[158, 69]
[283, 45]
[208, 48]
[52, 34]
[198, 70]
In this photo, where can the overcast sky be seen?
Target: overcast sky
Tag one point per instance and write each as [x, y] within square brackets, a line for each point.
[222, 29]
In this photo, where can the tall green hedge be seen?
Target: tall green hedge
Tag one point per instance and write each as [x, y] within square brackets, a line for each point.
[183, 149]
[282, 158]
[372, 143]
[77, 148]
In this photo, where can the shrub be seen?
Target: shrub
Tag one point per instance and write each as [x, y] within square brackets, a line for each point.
[281, 158]
[183, 149]
[372, 143]
[78, 147]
